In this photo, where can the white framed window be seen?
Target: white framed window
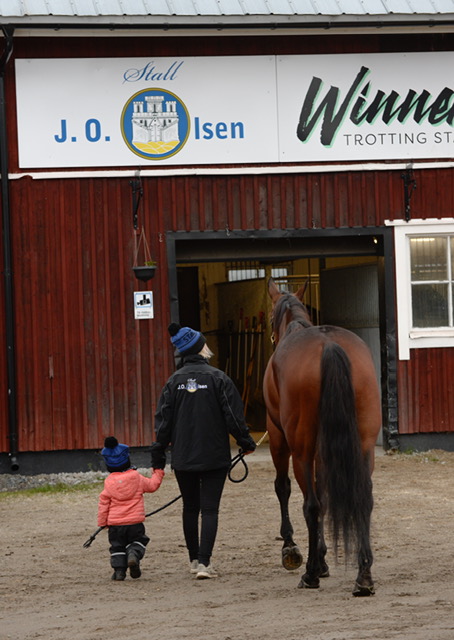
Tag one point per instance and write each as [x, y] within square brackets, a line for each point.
[424, 258]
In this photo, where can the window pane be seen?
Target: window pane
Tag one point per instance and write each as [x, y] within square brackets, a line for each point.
[428, 258]
[279, 272]
[452, 257]
[245, 274]
[430, 305]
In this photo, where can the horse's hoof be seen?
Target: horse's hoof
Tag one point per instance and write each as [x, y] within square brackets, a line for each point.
[363, 591]
[291, 558]
[308, 583]
[324, 572]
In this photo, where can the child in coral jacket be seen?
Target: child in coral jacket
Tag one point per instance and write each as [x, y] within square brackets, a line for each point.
[122, 508]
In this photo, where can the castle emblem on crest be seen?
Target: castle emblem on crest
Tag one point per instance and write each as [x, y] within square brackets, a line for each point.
[191, 385]
[155, 124]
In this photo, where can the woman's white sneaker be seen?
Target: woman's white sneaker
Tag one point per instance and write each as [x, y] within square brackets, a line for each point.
[204, 572]
[194, 566]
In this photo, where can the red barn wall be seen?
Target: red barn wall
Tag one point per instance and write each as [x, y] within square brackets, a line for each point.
[85, 367]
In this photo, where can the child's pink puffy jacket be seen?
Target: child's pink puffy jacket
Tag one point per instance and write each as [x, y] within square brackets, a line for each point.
[121, 501]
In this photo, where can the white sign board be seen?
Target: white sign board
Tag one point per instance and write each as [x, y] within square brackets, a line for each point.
[365, 106]
[110, 112]
[143, 305]
[234, 109]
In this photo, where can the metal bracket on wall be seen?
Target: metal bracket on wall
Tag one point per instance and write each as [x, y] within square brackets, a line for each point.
[409, 187]
[137, 193]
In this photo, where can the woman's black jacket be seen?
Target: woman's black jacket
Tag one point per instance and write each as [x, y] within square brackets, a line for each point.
[198, 408]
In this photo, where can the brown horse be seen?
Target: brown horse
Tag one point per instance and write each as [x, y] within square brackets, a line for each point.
[323, 409]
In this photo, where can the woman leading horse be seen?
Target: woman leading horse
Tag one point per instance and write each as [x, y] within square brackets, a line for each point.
[323, 410]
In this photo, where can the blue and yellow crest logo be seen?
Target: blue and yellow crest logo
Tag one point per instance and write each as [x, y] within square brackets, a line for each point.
[191, 385]
[155, 124]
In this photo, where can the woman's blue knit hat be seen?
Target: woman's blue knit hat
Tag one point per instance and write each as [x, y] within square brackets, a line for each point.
[116, 456]
[188, 341]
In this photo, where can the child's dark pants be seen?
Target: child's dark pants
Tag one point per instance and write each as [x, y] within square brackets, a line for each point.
[124, 538]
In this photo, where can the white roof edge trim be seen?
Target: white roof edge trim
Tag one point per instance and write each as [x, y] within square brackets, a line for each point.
[417, 222]
[198, 20]
[249, 170]
[247, 30]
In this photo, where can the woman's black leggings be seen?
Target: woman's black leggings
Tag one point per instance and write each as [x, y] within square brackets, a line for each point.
[201, 492]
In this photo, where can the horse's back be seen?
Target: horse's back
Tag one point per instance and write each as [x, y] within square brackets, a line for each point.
[300, 352]
[296, 361]
[358, 353]
[295, 376]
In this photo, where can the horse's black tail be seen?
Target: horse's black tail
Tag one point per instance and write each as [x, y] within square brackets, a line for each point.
[345, 470]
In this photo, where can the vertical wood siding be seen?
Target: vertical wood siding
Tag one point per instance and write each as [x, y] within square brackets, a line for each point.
[426, 401]
[85, 367]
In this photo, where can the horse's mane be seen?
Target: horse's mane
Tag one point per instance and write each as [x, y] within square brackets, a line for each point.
[289, 302]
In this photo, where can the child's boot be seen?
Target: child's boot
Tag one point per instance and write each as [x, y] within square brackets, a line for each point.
[134, 564]
[119, 574]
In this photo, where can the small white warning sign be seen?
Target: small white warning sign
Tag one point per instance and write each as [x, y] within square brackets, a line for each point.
[143, 305]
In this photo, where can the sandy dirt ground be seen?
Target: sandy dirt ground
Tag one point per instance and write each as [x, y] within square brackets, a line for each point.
[53, 588]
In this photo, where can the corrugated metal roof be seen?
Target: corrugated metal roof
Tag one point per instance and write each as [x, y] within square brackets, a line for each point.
[221, 8]
[213, 16]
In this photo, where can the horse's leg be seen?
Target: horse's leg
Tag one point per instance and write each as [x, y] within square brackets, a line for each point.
[291, 555]
[322, 549]
[364, 585]
[304, 475]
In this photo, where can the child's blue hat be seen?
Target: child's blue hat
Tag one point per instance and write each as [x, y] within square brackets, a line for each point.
[188, 341]
[116, 456]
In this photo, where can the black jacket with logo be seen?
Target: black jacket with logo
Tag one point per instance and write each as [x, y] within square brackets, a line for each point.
[199, 407]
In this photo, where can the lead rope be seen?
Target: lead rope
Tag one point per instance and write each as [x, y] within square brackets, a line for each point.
[240, 458]
[233, 462]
